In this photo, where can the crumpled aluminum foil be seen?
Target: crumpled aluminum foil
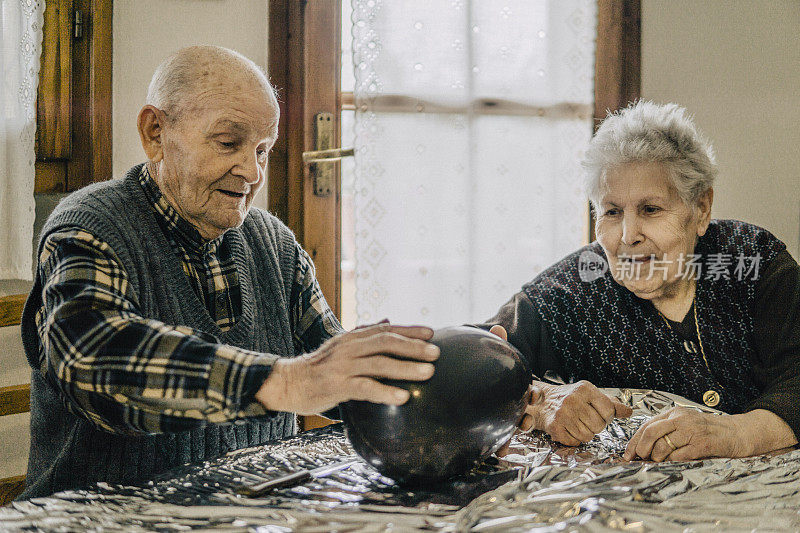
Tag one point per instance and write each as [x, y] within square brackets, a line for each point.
[541, 486]
[536, 448]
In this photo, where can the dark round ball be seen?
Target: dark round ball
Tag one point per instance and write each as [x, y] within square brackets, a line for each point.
[458, 417]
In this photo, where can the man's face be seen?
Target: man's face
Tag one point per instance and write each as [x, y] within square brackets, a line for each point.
[215, 155]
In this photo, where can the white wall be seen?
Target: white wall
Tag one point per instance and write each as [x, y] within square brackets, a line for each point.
[735, 64]
[147, 31]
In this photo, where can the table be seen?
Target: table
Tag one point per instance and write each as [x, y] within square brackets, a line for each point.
[540, 486]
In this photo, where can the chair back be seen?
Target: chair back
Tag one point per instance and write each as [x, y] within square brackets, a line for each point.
[16, 398]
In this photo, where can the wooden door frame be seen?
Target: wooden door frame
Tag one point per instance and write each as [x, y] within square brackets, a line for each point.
[304, 65]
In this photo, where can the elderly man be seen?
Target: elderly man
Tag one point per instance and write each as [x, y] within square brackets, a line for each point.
[166, 313]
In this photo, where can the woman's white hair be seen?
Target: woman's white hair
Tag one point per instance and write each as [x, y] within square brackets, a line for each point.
[650, 132]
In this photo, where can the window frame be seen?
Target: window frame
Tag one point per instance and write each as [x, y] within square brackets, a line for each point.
[617, 67]
[617, 82]
[84, 122]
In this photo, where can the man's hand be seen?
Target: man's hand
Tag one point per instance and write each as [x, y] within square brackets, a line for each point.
[684, 434]
[347, 367]
[571, 414]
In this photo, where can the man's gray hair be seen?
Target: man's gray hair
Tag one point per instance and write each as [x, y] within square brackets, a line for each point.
[175, 80]
[650, 132]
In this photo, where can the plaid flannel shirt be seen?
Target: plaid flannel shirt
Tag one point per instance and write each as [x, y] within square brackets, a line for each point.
[131, 374]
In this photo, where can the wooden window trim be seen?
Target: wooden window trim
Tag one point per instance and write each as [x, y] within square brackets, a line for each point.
[618, 56]
[305, 40]
[396, 103]
[348, 101]
[90, 128]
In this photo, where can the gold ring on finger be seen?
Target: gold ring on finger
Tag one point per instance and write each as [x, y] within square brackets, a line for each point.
[669, 442]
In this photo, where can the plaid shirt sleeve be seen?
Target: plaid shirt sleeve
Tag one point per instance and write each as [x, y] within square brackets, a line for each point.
[313, 321]
[124, 372]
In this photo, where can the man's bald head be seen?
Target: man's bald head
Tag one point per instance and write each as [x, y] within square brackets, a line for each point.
[210, 120]
[191, 71]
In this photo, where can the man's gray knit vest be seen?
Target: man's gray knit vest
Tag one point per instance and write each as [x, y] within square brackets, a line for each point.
[608, 336]
[68, 451]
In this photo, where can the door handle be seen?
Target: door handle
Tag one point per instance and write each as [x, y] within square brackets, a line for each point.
[334, 154]
[322, 158]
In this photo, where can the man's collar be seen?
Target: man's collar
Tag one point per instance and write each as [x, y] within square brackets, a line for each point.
[180, 228]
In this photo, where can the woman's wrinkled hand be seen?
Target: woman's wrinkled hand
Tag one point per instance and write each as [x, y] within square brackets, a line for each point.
[574, 413]
[685, 434]
[570, 414]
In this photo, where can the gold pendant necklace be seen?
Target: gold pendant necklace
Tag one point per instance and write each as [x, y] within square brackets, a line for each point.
[711, 397]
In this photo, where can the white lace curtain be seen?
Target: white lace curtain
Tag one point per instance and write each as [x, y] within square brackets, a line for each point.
[21, 25]
[471, 118]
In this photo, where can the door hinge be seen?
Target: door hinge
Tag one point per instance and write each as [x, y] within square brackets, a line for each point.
[77, 24]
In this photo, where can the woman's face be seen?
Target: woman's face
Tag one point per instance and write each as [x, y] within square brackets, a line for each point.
[646, 231]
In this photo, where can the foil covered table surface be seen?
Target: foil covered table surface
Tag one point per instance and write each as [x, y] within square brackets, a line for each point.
[540, 486]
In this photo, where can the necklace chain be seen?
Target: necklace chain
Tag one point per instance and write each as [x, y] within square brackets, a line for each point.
[699, 339]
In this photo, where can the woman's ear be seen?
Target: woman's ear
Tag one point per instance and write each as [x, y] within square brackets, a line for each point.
[150, 123]
[704, 211]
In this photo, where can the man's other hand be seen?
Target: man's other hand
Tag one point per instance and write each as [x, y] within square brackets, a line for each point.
[348, 367]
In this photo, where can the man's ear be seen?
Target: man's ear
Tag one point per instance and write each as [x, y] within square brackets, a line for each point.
[151, 123]
[704, 211]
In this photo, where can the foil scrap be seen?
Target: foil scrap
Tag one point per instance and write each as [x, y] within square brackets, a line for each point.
[539, 486]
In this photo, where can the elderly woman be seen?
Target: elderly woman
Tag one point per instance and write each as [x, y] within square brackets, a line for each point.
[665, 299]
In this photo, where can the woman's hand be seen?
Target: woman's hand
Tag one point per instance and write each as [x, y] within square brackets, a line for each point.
[570, 414]
[574, 413]
[685, 434]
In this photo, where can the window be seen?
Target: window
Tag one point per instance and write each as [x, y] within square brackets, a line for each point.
[305, 66]
[300, 32]
[469, 121]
